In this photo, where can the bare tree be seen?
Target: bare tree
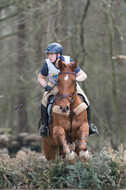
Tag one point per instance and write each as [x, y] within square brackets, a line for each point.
[20, 65]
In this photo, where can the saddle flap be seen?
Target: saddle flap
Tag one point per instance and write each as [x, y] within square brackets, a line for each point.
[49, 106]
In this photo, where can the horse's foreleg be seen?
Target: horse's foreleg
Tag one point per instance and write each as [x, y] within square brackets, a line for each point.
[60, 138]
[84, 132]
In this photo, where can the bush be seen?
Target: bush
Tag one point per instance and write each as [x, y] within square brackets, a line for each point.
[104, 170]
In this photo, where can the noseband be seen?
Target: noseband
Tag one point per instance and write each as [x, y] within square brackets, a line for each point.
[68, 95]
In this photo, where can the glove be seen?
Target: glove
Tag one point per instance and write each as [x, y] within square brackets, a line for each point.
[48, 88]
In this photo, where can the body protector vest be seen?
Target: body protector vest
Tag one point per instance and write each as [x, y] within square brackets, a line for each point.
[53, 71]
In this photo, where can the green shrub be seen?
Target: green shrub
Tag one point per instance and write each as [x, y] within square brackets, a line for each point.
[104, 170]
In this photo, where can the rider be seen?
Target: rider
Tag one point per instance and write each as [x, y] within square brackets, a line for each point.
[55, 52]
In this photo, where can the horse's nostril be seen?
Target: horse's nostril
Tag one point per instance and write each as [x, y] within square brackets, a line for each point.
[67, 108]
[64, 109]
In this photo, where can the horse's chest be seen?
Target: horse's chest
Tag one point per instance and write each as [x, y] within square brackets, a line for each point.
[66, 123]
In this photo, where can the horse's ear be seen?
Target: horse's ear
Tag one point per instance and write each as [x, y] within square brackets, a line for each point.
[61, 64]
[74, 65]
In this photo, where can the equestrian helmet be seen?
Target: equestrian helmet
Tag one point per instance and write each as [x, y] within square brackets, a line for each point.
[54, 48]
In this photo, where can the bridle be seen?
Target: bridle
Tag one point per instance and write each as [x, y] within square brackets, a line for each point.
[70, 101]
[61, 96]
[68, 95]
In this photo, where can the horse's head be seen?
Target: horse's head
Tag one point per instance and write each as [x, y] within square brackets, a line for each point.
[66, 84]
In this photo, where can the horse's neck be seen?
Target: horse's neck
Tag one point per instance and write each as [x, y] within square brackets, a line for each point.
[77, 101]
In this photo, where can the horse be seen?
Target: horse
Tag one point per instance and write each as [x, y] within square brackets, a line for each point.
[70, 123]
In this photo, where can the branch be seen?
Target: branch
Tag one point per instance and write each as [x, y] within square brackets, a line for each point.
[6, 5]
[119, 57]
[85, 12]
[82, 27]
[10, 16]
[12, 34]
[8, 35]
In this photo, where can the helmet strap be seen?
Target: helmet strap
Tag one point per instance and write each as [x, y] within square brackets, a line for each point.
[57, 57]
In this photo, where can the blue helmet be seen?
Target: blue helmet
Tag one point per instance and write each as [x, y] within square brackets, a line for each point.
[54, 48]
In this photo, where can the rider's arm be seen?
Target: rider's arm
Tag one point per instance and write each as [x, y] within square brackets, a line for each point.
[41, 79]
[81, 76]
[43, 74]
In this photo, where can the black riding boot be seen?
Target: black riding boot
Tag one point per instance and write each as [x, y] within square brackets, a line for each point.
[92, 128]
[43, 129]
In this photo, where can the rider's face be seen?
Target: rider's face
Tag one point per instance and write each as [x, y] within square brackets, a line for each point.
[52, 57]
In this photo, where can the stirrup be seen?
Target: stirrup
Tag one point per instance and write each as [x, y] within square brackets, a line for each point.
[43, 131]
[93, 129]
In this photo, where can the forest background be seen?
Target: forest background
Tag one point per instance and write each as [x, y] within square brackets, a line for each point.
[94, 32]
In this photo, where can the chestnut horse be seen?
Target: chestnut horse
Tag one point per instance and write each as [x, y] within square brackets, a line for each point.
[70, 123]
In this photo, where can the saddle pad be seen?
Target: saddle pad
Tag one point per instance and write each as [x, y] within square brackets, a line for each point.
[77, 110]
[80, 108]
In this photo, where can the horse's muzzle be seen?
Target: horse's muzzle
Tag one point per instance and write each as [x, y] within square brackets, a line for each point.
[65, 109]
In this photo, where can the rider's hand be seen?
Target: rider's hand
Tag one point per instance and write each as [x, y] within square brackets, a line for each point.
[48, 88]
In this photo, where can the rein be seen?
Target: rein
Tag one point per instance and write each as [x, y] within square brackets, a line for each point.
[71, 119]
[66, 72]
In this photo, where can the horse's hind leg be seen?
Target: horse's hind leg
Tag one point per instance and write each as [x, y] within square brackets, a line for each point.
[49, 150]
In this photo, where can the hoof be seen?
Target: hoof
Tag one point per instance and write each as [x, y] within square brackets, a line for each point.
[71, 157]
[84, 156]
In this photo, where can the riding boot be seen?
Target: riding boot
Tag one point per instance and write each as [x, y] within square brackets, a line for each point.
[92, 128]
[43, 129]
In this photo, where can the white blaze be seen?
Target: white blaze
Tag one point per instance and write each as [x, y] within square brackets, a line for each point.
[66, 77]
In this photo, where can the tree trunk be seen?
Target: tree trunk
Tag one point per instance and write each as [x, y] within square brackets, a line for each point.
[111, 39]
[22, 114]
